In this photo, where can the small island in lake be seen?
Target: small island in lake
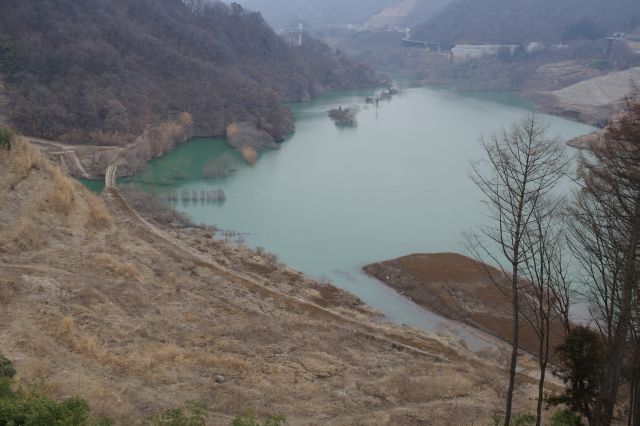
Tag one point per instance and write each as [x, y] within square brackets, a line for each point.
[344, 117]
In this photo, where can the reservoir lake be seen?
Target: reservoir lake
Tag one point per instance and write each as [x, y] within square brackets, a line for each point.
[332, 200]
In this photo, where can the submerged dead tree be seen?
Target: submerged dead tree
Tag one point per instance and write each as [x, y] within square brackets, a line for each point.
[522, 167]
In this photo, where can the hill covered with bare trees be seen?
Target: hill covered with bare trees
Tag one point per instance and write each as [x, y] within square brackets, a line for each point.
[104, 71]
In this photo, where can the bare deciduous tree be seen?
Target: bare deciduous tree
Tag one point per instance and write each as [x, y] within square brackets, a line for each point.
[522, 166]
[634, 379]
[548, 292]
[607, 238]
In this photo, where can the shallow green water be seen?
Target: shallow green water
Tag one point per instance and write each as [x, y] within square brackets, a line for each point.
[332, 200]
[95, 186]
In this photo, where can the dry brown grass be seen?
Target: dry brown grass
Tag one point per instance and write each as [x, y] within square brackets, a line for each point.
[249, 154]
[18, 163]
[26, 235]
[132, 350]
[9, 288]
[67, 327]
[81, 343]
[23, 157]
[425, 383]
[99, 217]
[232, 130]
[62, 195]
[227, 362]
[118, 267]
[169, 133]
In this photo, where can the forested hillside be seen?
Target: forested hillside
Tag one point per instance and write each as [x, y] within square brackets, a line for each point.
[101, 71]
[514, 21]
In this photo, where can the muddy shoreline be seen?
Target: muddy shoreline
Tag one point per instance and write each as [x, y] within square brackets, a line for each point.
[458, 288]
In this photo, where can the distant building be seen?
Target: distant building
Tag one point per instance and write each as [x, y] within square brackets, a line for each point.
[634, 46]
[535, 47]
[464, 52]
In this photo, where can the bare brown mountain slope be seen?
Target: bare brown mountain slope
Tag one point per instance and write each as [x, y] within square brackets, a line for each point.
[137, 318]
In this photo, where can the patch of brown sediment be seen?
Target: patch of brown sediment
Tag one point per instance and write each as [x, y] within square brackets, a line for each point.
[138, 320]
[458, 288]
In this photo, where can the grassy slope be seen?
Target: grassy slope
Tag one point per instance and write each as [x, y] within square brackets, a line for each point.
[109, 311]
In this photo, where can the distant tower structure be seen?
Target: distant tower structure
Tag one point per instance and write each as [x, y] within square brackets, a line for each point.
[300, 31]
[296, 35]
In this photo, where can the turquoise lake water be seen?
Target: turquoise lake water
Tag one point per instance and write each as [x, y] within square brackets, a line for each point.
[332, 200]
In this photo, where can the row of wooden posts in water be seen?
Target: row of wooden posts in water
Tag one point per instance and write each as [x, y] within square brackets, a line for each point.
[194, 196]
[385, 95]
[346, 117]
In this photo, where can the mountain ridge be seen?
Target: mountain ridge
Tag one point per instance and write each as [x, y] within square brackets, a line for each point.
[518, 21]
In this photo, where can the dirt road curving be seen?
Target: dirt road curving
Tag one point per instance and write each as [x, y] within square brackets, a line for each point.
[120, 207]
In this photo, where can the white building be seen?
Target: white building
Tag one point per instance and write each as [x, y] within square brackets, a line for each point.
[476, 51]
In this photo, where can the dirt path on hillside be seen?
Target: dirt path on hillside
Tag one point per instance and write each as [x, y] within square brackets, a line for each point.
[382, 333]
[68, 156]
[119, 205]
[62, 151]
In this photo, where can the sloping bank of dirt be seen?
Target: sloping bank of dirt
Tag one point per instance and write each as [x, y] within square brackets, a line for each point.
[138, 318]
[457, 288]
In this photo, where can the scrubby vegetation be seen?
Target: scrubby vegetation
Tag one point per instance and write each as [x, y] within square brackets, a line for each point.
[6, 137]
[192, 416]
[250, 419]
[517, 420]
[580, 367]
[103, 71]
[6, 368]
[565, 418]
[31, 407]
[19, 406]
[344, 117]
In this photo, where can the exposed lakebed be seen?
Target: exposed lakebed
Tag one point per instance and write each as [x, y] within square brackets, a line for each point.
[334, 199]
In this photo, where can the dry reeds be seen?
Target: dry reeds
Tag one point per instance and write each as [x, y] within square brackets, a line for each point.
[249, 154]
[99, 217]
[118, 268]
[232, 130]
[62, 194]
